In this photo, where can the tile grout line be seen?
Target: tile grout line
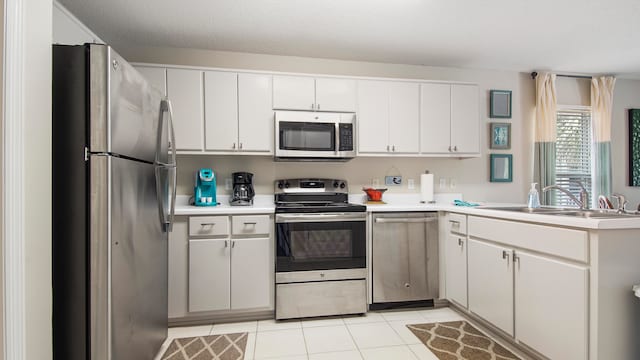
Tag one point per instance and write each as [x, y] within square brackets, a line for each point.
[354, 340]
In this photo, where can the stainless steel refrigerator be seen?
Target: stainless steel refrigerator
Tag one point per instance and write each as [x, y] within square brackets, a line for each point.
[113, 198]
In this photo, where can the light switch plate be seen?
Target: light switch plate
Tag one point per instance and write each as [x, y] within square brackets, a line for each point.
[411, 184]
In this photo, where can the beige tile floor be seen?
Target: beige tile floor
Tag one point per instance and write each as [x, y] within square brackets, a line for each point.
[376, 335]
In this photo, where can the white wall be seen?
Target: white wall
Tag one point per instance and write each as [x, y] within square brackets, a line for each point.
[471, 175]
[626, 96]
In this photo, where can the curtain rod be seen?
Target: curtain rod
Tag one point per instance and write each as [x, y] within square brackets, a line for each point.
[534, 74]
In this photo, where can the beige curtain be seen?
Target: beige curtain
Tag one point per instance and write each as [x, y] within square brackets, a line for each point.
[601, 106]
[545, 135]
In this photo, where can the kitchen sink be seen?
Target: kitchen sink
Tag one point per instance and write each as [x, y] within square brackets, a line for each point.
[540, 210]
[599, 214]
[588, 214]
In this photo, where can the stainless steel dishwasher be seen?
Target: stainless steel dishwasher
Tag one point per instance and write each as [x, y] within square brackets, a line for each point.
[404, 258]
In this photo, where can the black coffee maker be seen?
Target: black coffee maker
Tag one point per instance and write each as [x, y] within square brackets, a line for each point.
[243, 192]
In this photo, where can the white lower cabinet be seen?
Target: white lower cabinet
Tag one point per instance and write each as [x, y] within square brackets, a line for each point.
[551, 306]
[456, 268]
[220, 264]
[209, 274]
[529, 281]
[491, 284]
[229, 274]
[250, 276]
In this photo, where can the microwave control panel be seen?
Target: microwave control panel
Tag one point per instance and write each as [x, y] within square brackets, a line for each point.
[346, 137]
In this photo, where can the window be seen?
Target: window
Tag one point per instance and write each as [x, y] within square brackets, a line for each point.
[573, 154]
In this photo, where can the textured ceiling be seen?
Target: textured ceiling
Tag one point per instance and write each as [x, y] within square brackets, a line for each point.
[572, 36]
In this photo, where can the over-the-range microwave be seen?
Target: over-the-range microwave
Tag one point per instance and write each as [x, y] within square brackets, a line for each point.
[314, 136]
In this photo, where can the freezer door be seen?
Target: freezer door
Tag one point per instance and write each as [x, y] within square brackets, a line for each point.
[125, 111]
[132, 264]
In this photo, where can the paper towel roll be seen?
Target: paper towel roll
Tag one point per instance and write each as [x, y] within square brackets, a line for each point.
[426, 188]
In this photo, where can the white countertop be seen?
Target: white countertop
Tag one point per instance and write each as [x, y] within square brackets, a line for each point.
[411, 202]
[261, 204]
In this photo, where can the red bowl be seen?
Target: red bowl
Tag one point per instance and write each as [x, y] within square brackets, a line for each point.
[374, 194]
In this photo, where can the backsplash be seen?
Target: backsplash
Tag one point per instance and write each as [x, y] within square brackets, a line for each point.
[468, 176]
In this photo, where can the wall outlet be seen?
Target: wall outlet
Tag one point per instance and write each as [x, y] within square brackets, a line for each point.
[227, 184]
[443, 183]
[411, 184]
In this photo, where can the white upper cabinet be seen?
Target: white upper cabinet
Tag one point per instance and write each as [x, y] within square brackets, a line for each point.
[335, 94]
[294, 92]
[388, 117]
[255, 113]
[373, 116]
[465, 119]
[156, 77]
[184, 89]
[308, 93]
[221, 110]
[404, 117]
[435, 118]
[449, 119]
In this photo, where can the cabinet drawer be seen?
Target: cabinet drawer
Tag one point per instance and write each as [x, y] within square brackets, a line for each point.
[457, 223]
[251, 225]
[208, 225]
[562, 242]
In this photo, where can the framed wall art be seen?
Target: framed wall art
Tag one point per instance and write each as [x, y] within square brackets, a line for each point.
[501, 167]
[500, 104]
[500, 136]
[634, 147]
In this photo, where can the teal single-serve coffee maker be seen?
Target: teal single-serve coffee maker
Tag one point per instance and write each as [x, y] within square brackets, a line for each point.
[204, 192]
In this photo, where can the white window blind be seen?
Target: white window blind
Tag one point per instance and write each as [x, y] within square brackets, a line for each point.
[573, 154]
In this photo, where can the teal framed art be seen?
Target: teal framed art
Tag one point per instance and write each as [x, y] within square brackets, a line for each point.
[501, 167]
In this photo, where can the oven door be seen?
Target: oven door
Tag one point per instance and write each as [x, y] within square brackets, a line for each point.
[324, 241]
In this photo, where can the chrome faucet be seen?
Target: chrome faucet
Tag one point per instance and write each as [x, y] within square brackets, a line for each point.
[583, 202]
[621, 202]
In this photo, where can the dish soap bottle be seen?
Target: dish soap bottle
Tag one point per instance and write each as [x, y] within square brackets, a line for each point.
[534, 198]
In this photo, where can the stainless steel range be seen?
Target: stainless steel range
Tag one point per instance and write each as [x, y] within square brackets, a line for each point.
[320, 249]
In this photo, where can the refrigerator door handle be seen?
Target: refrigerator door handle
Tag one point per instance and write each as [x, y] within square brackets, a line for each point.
[166, 220]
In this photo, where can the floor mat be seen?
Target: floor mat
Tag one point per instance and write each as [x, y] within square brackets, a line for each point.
[212, 347]
[459, 340]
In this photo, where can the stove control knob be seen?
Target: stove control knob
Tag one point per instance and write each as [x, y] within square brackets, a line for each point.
[280, 185]
[286, 185]
[343, 185]
[335, 184]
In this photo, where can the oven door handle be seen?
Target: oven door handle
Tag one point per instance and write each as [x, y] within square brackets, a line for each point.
[404, 220]
[335, 217]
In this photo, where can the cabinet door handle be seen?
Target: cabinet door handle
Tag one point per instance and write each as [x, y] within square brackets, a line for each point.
[233, 244]
[233, 146]
[318, 107]
[449, 148]
[240, 145]
[313, 106]
[250, 223]
[460, 242]
[393, 148]
[455, 148]
[387, 147]
[454, 222]
[505, 255]
[407, 285]
[207, 224]
[226, 243]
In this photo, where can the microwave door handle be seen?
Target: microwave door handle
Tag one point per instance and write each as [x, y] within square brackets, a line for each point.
[337, 149]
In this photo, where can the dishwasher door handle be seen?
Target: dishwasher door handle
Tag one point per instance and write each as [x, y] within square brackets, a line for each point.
[406, 220]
